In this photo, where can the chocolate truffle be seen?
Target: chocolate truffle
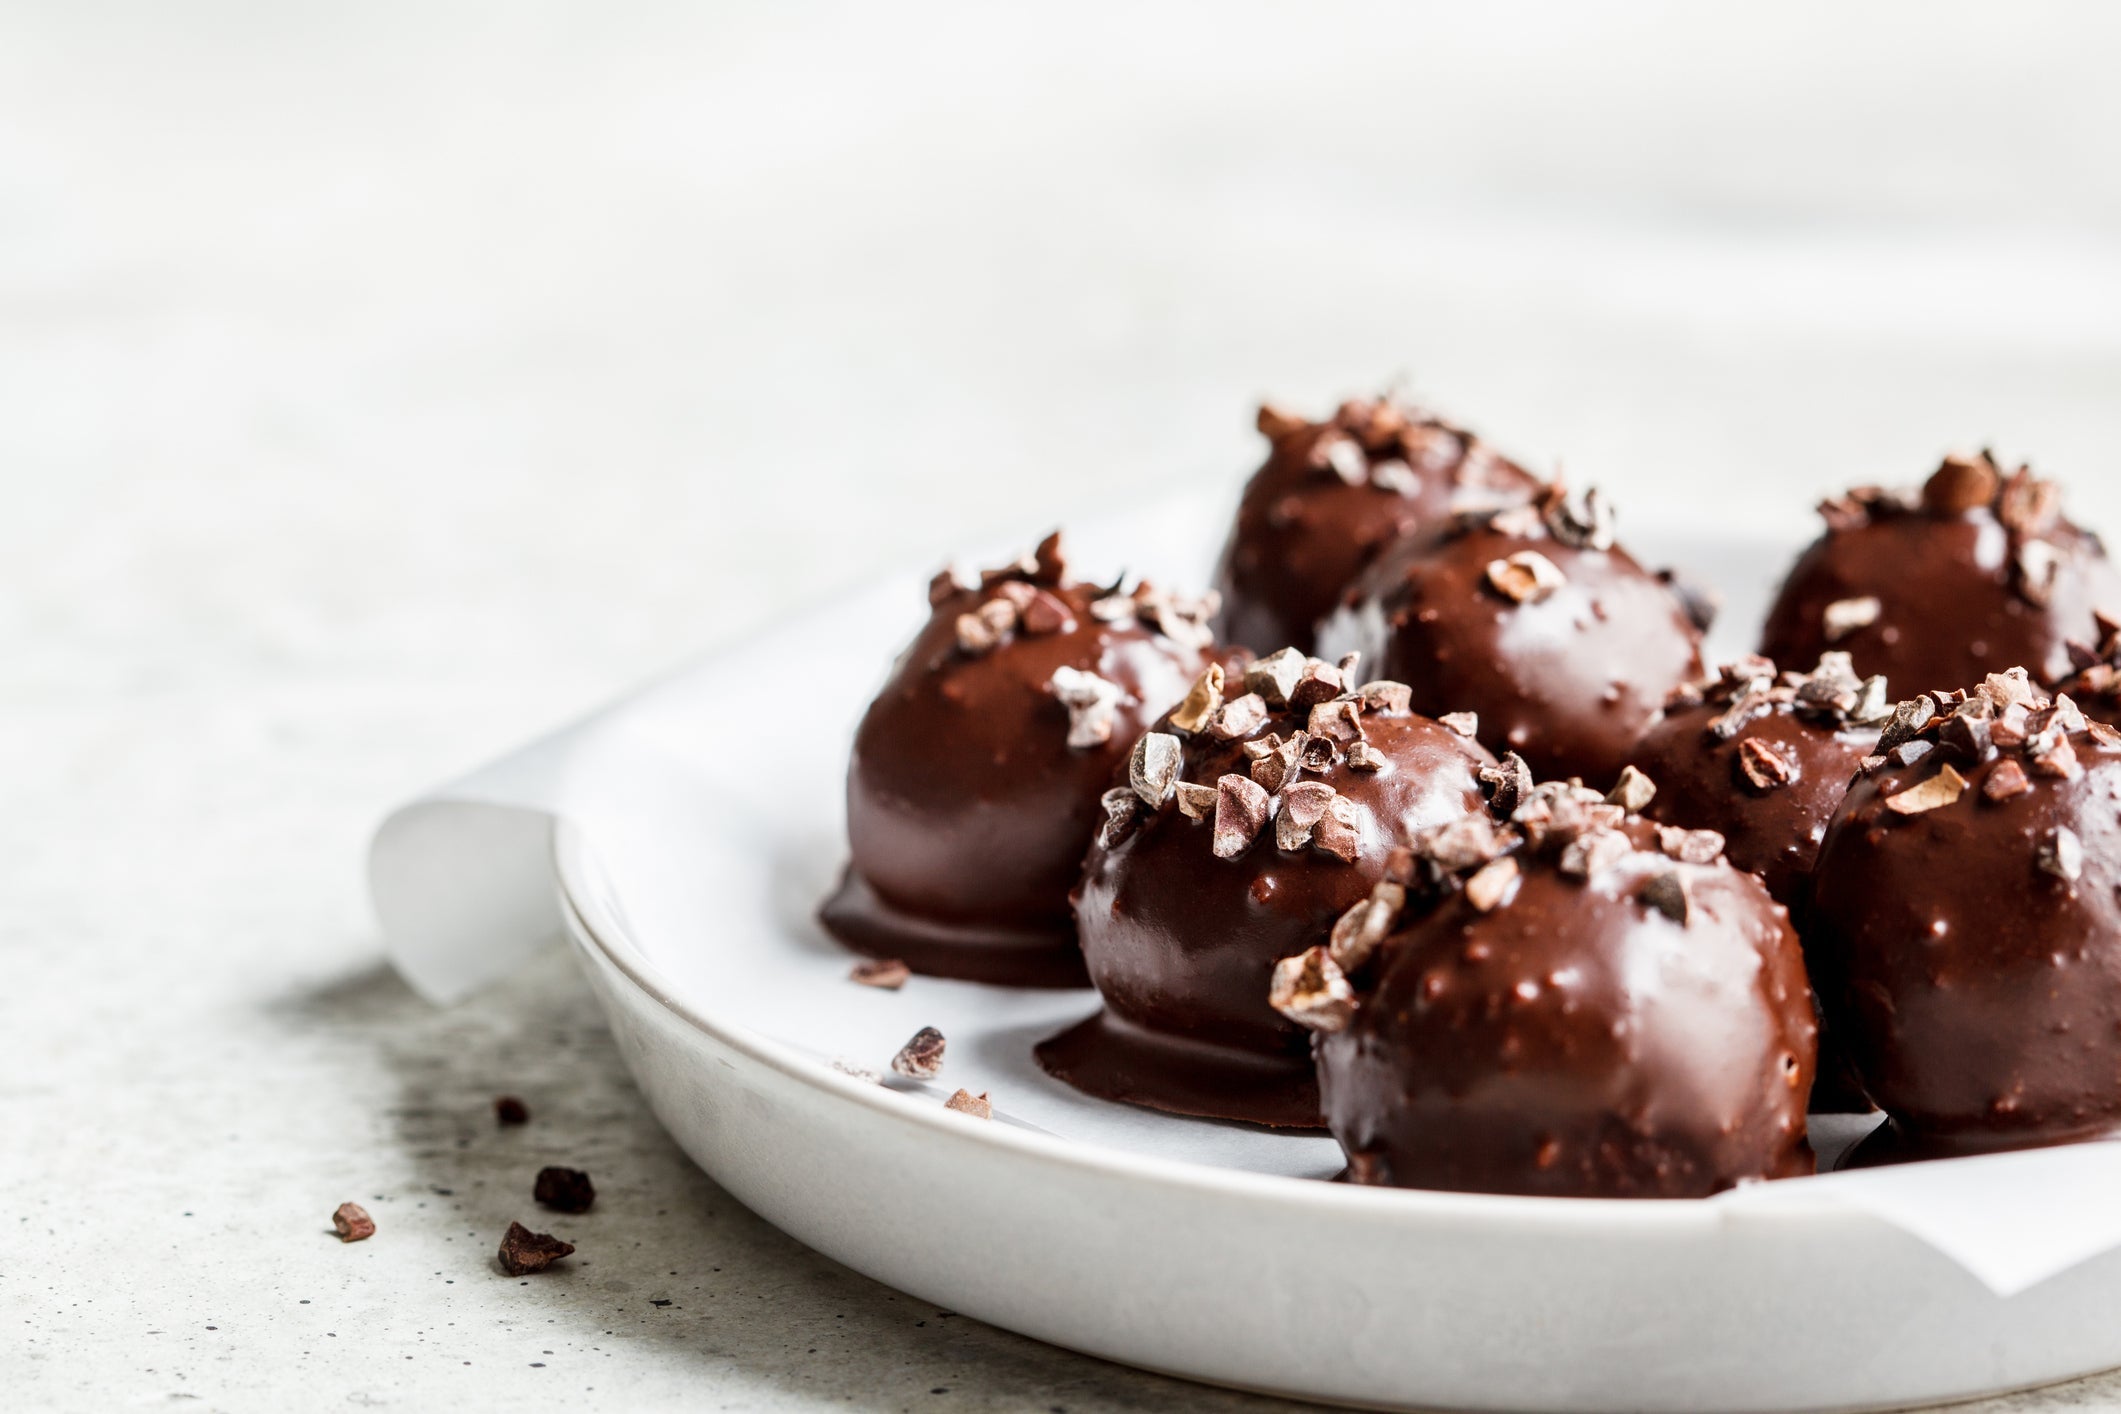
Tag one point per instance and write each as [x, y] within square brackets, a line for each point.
[1535, 621]
[1331, 497]
[1597, 1007]
[1763, 759]
[1975, 573]
[1966, 924]
[974, 786]
[1256, 813]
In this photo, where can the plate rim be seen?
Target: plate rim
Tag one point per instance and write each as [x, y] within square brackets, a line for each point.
[572, 858]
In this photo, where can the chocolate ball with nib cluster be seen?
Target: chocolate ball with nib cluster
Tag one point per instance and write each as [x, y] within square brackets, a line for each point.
[1331, 497]
[1578, 1003]
[1975, 573]
[1535, 621]
[1763, 758]
[974, 785]
[1255, 815]
[1965, 932]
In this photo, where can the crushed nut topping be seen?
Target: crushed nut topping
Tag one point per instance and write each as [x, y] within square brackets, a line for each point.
[1388, 445]
[1633, 792]
[1123, 816]
[1750, 689]
[980, 1106]
[922, 1057]
[1466, 724]
[1240, 716]
[1935, 793]
[1240, 814]
[1312, 991]
[1092, 703]
[1357, 932]
[1195, 802]
[1765, 765]
[2061, 854]
[1668, 894]
[1845, 616]
[2029, 508]
[1153, 767]
[1203, 701]
[1490, 886]
[1526, 577]
[1275, 676]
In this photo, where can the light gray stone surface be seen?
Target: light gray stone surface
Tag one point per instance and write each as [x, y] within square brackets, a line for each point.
[383, 384]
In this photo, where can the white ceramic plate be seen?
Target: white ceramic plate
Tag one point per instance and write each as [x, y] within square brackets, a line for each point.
[1211, 1251]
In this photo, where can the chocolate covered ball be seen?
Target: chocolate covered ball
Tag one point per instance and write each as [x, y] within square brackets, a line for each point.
[1763, 758]
[1533, 620]
[974, 787]
[1975, 573]
[1598, 1007]
[1331, 497]
[1255, 815]
[1966, 924]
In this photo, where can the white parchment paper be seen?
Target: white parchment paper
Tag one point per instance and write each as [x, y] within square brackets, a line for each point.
[714, 839]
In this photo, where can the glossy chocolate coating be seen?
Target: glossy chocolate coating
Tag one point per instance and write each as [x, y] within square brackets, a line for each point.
[1576, 1042]
[1569, 681]
[1305, 531]
[1955, 601]
[1977, 992]
[1182, 944]
[1770, 827]
[967, 810]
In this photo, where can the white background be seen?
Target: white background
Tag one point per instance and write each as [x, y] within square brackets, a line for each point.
[381, 385]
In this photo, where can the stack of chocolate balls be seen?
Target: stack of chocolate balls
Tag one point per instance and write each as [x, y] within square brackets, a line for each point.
[1430, 827]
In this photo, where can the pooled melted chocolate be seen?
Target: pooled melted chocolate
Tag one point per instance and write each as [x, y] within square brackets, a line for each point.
[1332, 496]
[1966, 936]
[973, 791]
[1278, 817]
[1976, 573]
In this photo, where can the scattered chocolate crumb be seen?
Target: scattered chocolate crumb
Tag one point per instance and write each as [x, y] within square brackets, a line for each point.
[1312, 991]
[1509, 784]
[563, 1189]
[1845, 616]
[921, 1057]
[524, 1252]
[1633, 792]
[1526, 577]
[1466, 724]
[887, 973]
[1240, 814]
[979, 1106]
[510, 1110]
[1933, 794]
[1369, 1170]
[352, 1222]
[1668, 894]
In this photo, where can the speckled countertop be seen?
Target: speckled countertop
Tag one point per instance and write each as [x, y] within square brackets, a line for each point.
[378, 388]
